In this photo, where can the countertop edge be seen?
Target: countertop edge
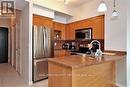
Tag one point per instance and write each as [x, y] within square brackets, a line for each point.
[83, 65]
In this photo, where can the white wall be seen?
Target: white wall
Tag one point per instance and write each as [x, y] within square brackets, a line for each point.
[115, 37]
[26, 43]
[115, 30]
[86, 10]
[57, 16]
[128, 43]
[54, 5]
[61, 17]
[121, 73]
[43, 11]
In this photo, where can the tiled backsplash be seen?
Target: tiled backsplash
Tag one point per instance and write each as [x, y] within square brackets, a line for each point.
[59, 43]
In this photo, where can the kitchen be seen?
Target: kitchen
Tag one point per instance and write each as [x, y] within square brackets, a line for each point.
[61, 37]
[70, 36]
[65, 33]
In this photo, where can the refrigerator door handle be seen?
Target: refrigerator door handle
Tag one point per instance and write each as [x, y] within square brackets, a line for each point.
[45, 41]
[35, 46]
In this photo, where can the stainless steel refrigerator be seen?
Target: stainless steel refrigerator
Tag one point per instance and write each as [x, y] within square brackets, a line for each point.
[42, 49]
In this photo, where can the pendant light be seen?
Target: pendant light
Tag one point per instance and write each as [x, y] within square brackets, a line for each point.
[102, 7]
[66, 1]
[114, 13]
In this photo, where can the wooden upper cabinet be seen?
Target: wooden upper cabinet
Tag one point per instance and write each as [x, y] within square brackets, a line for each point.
[83, 24]
[40, 20]
[57, 26]
[98, 27]
[60, 27]
[96, 23]
[63, 27]
[87, 23]
[70, 31]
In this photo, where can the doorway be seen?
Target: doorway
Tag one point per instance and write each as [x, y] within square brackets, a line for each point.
[3, 45]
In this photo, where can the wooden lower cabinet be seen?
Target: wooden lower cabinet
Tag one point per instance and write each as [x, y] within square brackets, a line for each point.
[57, 78]
[99, 75]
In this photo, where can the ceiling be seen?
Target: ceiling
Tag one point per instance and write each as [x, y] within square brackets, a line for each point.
[21, 3]
[74, 3]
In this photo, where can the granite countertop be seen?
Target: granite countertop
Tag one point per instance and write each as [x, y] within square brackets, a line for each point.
[78, 61]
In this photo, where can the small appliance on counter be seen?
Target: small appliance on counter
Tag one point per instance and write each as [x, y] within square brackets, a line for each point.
[65, 45]
[69, 46]
[72, 46]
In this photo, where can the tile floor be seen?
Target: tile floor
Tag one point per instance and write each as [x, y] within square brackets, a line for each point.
[10, 78]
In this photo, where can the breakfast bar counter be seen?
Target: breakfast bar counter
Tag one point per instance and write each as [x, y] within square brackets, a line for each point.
[83, 71]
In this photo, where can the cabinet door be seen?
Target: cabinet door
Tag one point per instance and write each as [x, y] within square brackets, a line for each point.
[87, 23]
[40, 20]
[67, 33]
[78, 25]
[37, 20]
[98, 28]
[60, 27]
[63, 31]
[70, 31]
[57, 26]
[48, 22]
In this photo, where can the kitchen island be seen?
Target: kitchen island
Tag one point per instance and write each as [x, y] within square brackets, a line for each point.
[83, 71]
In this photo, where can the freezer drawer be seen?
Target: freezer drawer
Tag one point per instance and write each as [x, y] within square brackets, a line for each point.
[40, 69]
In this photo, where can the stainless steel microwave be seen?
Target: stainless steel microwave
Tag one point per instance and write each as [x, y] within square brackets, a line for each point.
[83, 34]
